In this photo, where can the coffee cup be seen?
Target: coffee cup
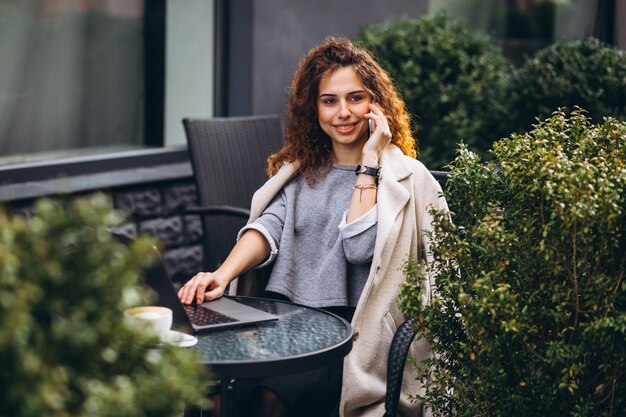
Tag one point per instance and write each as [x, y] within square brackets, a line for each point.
[158, 318]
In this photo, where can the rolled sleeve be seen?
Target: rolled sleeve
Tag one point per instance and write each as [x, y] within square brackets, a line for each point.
[270, 240]
[270, 224]
[359, 237]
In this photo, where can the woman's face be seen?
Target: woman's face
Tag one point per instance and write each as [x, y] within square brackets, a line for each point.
[341, 104]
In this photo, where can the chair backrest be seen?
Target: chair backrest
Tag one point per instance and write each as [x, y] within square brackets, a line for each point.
[229, 158]
[229, 154]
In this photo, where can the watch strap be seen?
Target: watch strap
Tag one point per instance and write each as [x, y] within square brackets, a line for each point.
[364, 169]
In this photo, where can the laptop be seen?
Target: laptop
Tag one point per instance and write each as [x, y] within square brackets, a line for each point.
[210, 315]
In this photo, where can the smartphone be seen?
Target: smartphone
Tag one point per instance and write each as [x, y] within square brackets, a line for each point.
[371, 126]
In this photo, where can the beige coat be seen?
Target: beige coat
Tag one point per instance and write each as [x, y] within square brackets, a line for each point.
[405, 193]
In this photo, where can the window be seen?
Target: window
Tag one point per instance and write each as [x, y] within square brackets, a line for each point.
[189, 64]
[90, 76]
[525, 26]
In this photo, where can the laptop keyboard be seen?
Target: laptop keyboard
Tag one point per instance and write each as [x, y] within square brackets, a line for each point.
[201, 316]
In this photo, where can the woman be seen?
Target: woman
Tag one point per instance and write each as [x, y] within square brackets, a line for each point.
[346, 204]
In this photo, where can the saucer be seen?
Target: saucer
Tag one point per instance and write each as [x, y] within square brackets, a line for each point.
[180, 339]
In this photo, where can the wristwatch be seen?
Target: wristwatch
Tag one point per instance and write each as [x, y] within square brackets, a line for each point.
[374, 172]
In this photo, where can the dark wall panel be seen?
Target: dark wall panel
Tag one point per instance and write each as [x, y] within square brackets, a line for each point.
[284, 30]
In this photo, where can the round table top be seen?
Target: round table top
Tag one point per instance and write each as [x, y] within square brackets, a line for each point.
[302, 338]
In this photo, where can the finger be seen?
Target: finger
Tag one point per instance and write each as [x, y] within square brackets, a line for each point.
[182, 293]
[371, 117]
[189, 290]
[381, 119]
[381, 127]
[200, 290]
[376, 117]
[376, 110]
[214, 293]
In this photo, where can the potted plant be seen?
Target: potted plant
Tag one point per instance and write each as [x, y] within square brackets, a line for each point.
[65, 348]
[528, 315]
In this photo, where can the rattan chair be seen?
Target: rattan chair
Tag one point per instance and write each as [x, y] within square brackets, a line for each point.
[398, 352]
[228, 157]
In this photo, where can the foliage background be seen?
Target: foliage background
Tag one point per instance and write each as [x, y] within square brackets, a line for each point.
[453, 80]
[65, 349]
[587, 74]
[459, 87]
[529, 311]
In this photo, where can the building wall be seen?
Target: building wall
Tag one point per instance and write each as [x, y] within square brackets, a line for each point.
[159, 210]
[154, 207]
[284, 30]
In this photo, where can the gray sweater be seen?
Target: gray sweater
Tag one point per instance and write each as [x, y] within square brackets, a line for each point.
[319, 260]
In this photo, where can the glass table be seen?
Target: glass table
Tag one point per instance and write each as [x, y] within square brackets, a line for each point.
[302, 338]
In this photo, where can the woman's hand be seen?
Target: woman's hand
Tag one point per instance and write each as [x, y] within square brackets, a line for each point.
[205, 285]
[251, 249]
[379, 138]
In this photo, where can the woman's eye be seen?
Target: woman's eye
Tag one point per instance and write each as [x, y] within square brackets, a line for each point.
[356, 98]
[328, 101]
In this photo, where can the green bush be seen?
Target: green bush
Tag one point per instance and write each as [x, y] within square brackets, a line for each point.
[453, 80]
[65, 348]
[529, 311]
[588, 74]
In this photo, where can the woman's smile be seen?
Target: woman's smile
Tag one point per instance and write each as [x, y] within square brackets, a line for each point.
[346, 128]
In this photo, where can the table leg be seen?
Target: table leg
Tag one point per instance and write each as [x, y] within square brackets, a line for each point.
[227, 405]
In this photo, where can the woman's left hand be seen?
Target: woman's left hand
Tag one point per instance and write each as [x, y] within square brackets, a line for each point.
[379, 138]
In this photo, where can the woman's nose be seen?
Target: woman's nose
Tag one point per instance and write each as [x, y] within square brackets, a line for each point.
[344, 110]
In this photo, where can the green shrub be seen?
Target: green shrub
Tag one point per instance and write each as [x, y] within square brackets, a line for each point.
[65, 349]
[529, 311]
[453, 80]
[588, 74]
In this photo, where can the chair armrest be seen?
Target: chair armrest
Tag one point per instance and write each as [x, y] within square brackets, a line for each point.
[398, 352]
[219, 210]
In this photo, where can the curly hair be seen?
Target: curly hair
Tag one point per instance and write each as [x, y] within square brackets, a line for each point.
[305, 141]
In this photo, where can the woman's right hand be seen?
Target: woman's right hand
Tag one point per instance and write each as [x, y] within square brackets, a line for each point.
[379, 138]
[251, 249]
[203, 286]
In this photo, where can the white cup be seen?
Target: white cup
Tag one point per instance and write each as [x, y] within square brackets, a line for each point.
[159, 318]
